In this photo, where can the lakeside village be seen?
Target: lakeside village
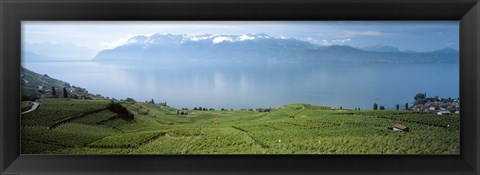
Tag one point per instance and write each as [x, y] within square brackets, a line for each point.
[422, 103]
[440, 106]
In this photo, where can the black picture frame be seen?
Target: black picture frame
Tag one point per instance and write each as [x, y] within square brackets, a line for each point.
[14, 11]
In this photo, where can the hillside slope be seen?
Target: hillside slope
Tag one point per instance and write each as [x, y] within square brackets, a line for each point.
[35, 85]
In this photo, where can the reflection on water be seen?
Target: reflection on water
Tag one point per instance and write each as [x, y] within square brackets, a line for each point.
[233, 86]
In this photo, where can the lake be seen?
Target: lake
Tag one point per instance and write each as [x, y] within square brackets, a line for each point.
[349, 85]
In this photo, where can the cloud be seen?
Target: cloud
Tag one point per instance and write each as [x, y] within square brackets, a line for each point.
[327, 42]
[220, 39]
[353, 33]
[246, 37]
[341, 40]
[348, 33]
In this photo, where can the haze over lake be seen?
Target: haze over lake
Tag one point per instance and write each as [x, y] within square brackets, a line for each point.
[270, 85]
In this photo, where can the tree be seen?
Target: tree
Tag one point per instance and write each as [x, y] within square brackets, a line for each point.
[65, 93]
[420, 98]
[54, 93]
[375, 106]
[195, 108]
[398, 107]
[340, 107]
[130, 100]
[152, 102]
[382, 108]
[178, 112]
[406, 106]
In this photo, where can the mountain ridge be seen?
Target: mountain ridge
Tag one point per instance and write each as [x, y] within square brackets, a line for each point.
[258, 48]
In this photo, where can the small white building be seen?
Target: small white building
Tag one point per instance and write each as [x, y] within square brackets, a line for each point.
[400, 128]
[443, 113]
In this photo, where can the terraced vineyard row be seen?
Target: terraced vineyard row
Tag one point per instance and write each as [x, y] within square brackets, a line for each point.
[96, 118]
[126, 140]
[52, 110]
[430, 120]
[66, 135]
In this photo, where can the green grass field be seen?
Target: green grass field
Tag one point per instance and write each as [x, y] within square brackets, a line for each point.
[291, 129]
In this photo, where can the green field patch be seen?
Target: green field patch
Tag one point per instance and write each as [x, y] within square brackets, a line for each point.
[184, 131]
[38, 147]
[67, 135]
[115, 123]
[53, 110]
[86, 150]
[156, 114]
[451, 122]
[95, 118]
[223, 141]
[166, 145]
[126, 140]
[25, 105]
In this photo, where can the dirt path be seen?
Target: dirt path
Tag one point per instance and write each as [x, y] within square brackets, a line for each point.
[34, 107]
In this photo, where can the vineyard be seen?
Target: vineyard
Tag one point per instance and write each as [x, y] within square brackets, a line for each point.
[290, 129]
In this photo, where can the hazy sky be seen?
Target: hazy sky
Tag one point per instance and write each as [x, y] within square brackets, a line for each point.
[417, 36]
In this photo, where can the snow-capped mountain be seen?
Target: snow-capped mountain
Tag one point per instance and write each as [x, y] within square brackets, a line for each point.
[171, 39]
[253, 48]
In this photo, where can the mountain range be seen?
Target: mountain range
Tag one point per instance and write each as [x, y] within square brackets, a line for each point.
[245, 48]
[259, 48]
[381, 48]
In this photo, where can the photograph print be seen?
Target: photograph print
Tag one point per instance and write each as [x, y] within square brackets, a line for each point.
[240, 87]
